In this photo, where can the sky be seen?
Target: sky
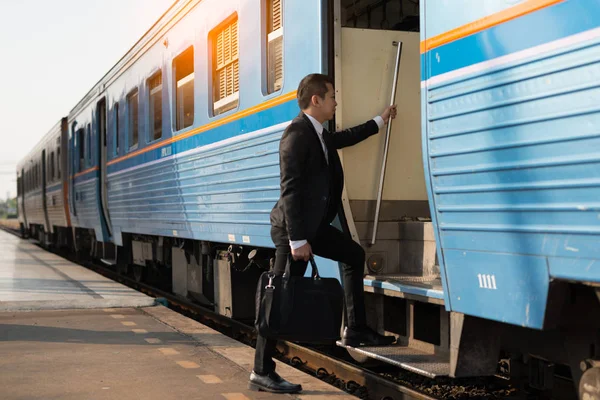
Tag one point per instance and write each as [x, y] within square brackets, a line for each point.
[52, 52]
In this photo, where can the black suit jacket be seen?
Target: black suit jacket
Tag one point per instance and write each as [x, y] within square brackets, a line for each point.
[311, 189]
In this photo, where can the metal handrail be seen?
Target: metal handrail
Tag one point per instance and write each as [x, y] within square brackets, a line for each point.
[387, 143]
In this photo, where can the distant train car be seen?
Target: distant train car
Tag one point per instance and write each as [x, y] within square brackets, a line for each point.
[41, 187]
[488, 230]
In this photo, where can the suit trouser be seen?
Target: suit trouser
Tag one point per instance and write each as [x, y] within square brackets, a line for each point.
[329, 243]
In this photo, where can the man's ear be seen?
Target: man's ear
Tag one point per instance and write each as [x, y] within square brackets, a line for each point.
[315, 100]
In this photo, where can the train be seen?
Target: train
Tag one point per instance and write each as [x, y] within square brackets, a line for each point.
[483, 243]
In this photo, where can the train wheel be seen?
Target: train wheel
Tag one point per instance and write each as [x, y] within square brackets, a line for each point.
[139, 273]
[122, 269]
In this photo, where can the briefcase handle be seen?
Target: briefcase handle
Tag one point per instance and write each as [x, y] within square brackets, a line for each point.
[315, 271]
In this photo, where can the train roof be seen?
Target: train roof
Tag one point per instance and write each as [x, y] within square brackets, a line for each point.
[176, 11]
[41, 144]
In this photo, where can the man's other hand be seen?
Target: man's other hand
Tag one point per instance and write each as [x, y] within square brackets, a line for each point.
[302, 253]
[389, 112]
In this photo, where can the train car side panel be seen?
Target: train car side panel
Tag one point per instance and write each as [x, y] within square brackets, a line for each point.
[514, 156]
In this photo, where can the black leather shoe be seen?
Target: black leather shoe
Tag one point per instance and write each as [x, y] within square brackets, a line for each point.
[365, 337]
[271, 382]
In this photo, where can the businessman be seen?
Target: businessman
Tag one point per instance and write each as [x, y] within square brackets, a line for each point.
[312, 180]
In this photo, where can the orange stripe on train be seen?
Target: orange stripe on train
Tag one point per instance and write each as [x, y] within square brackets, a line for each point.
[233, 117]
[485, 23]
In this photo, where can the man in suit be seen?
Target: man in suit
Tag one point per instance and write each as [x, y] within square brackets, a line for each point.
[312, 180]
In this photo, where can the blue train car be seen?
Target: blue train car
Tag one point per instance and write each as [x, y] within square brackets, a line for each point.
[486, 249]
[41, 187]
[511, 151]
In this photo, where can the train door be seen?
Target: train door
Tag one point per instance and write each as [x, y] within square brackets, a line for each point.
[44, 199]
[72, 168]
[377, 56]
[376, 59]
[22, 198]
[62, 157]
[102, 156]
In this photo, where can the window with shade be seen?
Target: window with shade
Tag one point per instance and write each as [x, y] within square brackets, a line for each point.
[58, 160]
[117, 132]
[274, 31]
[81, 146]
[183, 69]
[88, 145]
[226, 69]
[51, 173]
[155, 101]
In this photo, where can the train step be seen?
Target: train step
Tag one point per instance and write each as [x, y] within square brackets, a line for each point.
[415, 360]
[425, 286]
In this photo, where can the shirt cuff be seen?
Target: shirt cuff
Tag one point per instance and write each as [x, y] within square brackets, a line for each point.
[296, 244]
[379, 121]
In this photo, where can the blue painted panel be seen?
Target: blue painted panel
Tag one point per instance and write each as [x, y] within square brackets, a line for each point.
[221, 193]
[531, 243]
[425, 144]
[404, 288]
[585, 270]
[86, 204]
[509, 288]
[537, 28]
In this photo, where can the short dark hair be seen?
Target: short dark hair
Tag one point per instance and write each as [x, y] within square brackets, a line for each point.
[311, 85]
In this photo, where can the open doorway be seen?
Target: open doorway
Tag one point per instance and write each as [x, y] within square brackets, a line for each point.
[365, 62]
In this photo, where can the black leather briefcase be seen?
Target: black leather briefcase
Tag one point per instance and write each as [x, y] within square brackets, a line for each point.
[299, 309]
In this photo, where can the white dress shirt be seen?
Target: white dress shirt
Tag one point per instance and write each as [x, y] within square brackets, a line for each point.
[295, 244]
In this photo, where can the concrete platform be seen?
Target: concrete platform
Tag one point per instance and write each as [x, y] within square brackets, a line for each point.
[67, 346]
[34, 279]
[129, 353]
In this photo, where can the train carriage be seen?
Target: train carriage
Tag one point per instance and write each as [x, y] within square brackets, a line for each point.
[41, 185]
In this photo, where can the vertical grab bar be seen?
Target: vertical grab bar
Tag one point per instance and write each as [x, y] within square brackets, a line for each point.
[387, 143]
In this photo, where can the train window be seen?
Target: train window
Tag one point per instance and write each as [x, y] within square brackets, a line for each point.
[155, 102]
[51, 168]
[117, 133]
[58, 162]
[132, 118]
[89, 145]
[274, 31]
[81, 143]
[226, 70]
[183, 69]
